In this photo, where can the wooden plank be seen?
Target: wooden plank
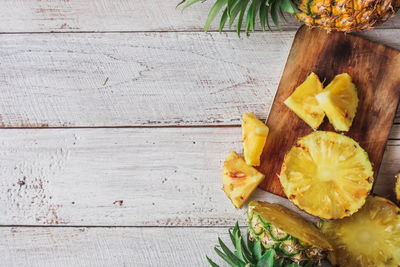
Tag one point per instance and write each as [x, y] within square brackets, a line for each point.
[112, 15]
[132, 177]
[154, 79]
[329, 54]
[70, 246]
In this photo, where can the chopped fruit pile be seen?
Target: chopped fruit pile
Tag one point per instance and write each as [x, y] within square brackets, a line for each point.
[339, 101]
[397, 187]
[371, 237]
[286, 232]
[239, 179]
[304, 104]
[327, 174]
[254, 135]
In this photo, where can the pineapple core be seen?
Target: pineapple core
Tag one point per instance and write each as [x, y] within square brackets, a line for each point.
[304, 104]
[254, 135]
[239, 179]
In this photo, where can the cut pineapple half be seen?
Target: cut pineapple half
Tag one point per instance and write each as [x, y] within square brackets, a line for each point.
[339, 101]
[239, 179]
[327, 175]
[304, 104]
[397, 187]
[286, 231]
[371, 237]
[254, 135]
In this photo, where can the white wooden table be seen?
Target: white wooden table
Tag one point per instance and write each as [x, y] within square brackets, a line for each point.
[116, 118]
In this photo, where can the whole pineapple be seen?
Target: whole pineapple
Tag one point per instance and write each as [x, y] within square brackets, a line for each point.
[336, 15]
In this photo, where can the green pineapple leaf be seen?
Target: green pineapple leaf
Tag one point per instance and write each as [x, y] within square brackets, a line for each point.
[236, 10]
[267, 260]
[214, 12]
[213, 264]
[225, 258]
[289, 6]
[257, 250]
[231, 255]
[279, 263]
[223, 20]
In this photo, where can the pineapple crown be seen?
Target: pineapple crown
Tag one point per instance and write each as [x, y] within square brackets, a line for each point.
[265, 9]
[251, 253]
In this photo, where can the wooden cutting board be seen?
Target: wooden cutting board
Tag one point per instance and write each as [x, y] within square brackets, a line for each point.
[375, 70]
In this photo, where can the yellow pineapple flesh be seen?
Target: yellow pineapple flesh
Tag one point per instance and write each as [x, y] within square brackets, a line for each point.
[303, 102]
[327, 174]
[239, 179]
[346, 15]
[371, 237]
[339, 101]
[254, 135]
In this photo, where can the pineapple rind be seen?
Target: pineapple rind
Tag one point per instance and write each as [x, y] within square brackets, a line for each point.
[339, 101]
[327, 175]
[254, 136]
[371, 237]
[303, 102]
[289, 222]
[346, 15]
[239, 179]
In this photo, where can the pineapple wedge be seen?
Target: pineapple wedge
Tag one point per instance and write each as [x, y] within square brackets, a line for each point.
[327, 174]
[304, 104]
[254, 135]
[397, 187]
[339, 101]
[371, 237]
[239, 179]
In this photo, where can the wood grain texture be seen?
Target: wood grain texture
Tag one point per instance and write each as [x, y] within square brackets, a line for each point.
[154, 79]
[373, 68]
[131, 177]
[112, 15]
[60, 246]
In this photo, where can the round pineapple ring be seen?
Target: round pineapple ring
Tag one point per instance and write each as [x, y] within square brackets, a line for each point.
[327, 175]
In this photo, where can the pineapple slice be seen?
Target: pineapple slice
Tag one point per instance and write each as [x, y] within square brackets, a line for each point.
[371, 237]
[304, 104]
[290, 234]
[254, 135]
[327, 175]
[239, 179]
[339, 101]
[397, 187]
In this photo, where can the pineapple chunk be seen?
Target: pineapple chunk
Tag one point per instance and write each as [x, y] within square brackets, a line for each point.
[339, 101]
[327, 174]
[239, 179]
[304, 104]
[397, 188]
[254, 135]
[371, 237]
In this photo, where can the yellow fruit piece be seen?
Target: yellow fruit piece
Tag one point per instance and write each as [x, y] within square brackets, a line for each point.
[339, 101]
[327, 174]
[397, 187]
[254, 135]
[371, 237]
[304, 104]
[239, 179]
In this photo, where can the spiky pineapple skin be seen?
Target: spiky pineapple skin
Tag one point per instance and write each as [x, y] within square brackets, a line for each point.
[371, 237]
[305, 243]
[346, 15]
